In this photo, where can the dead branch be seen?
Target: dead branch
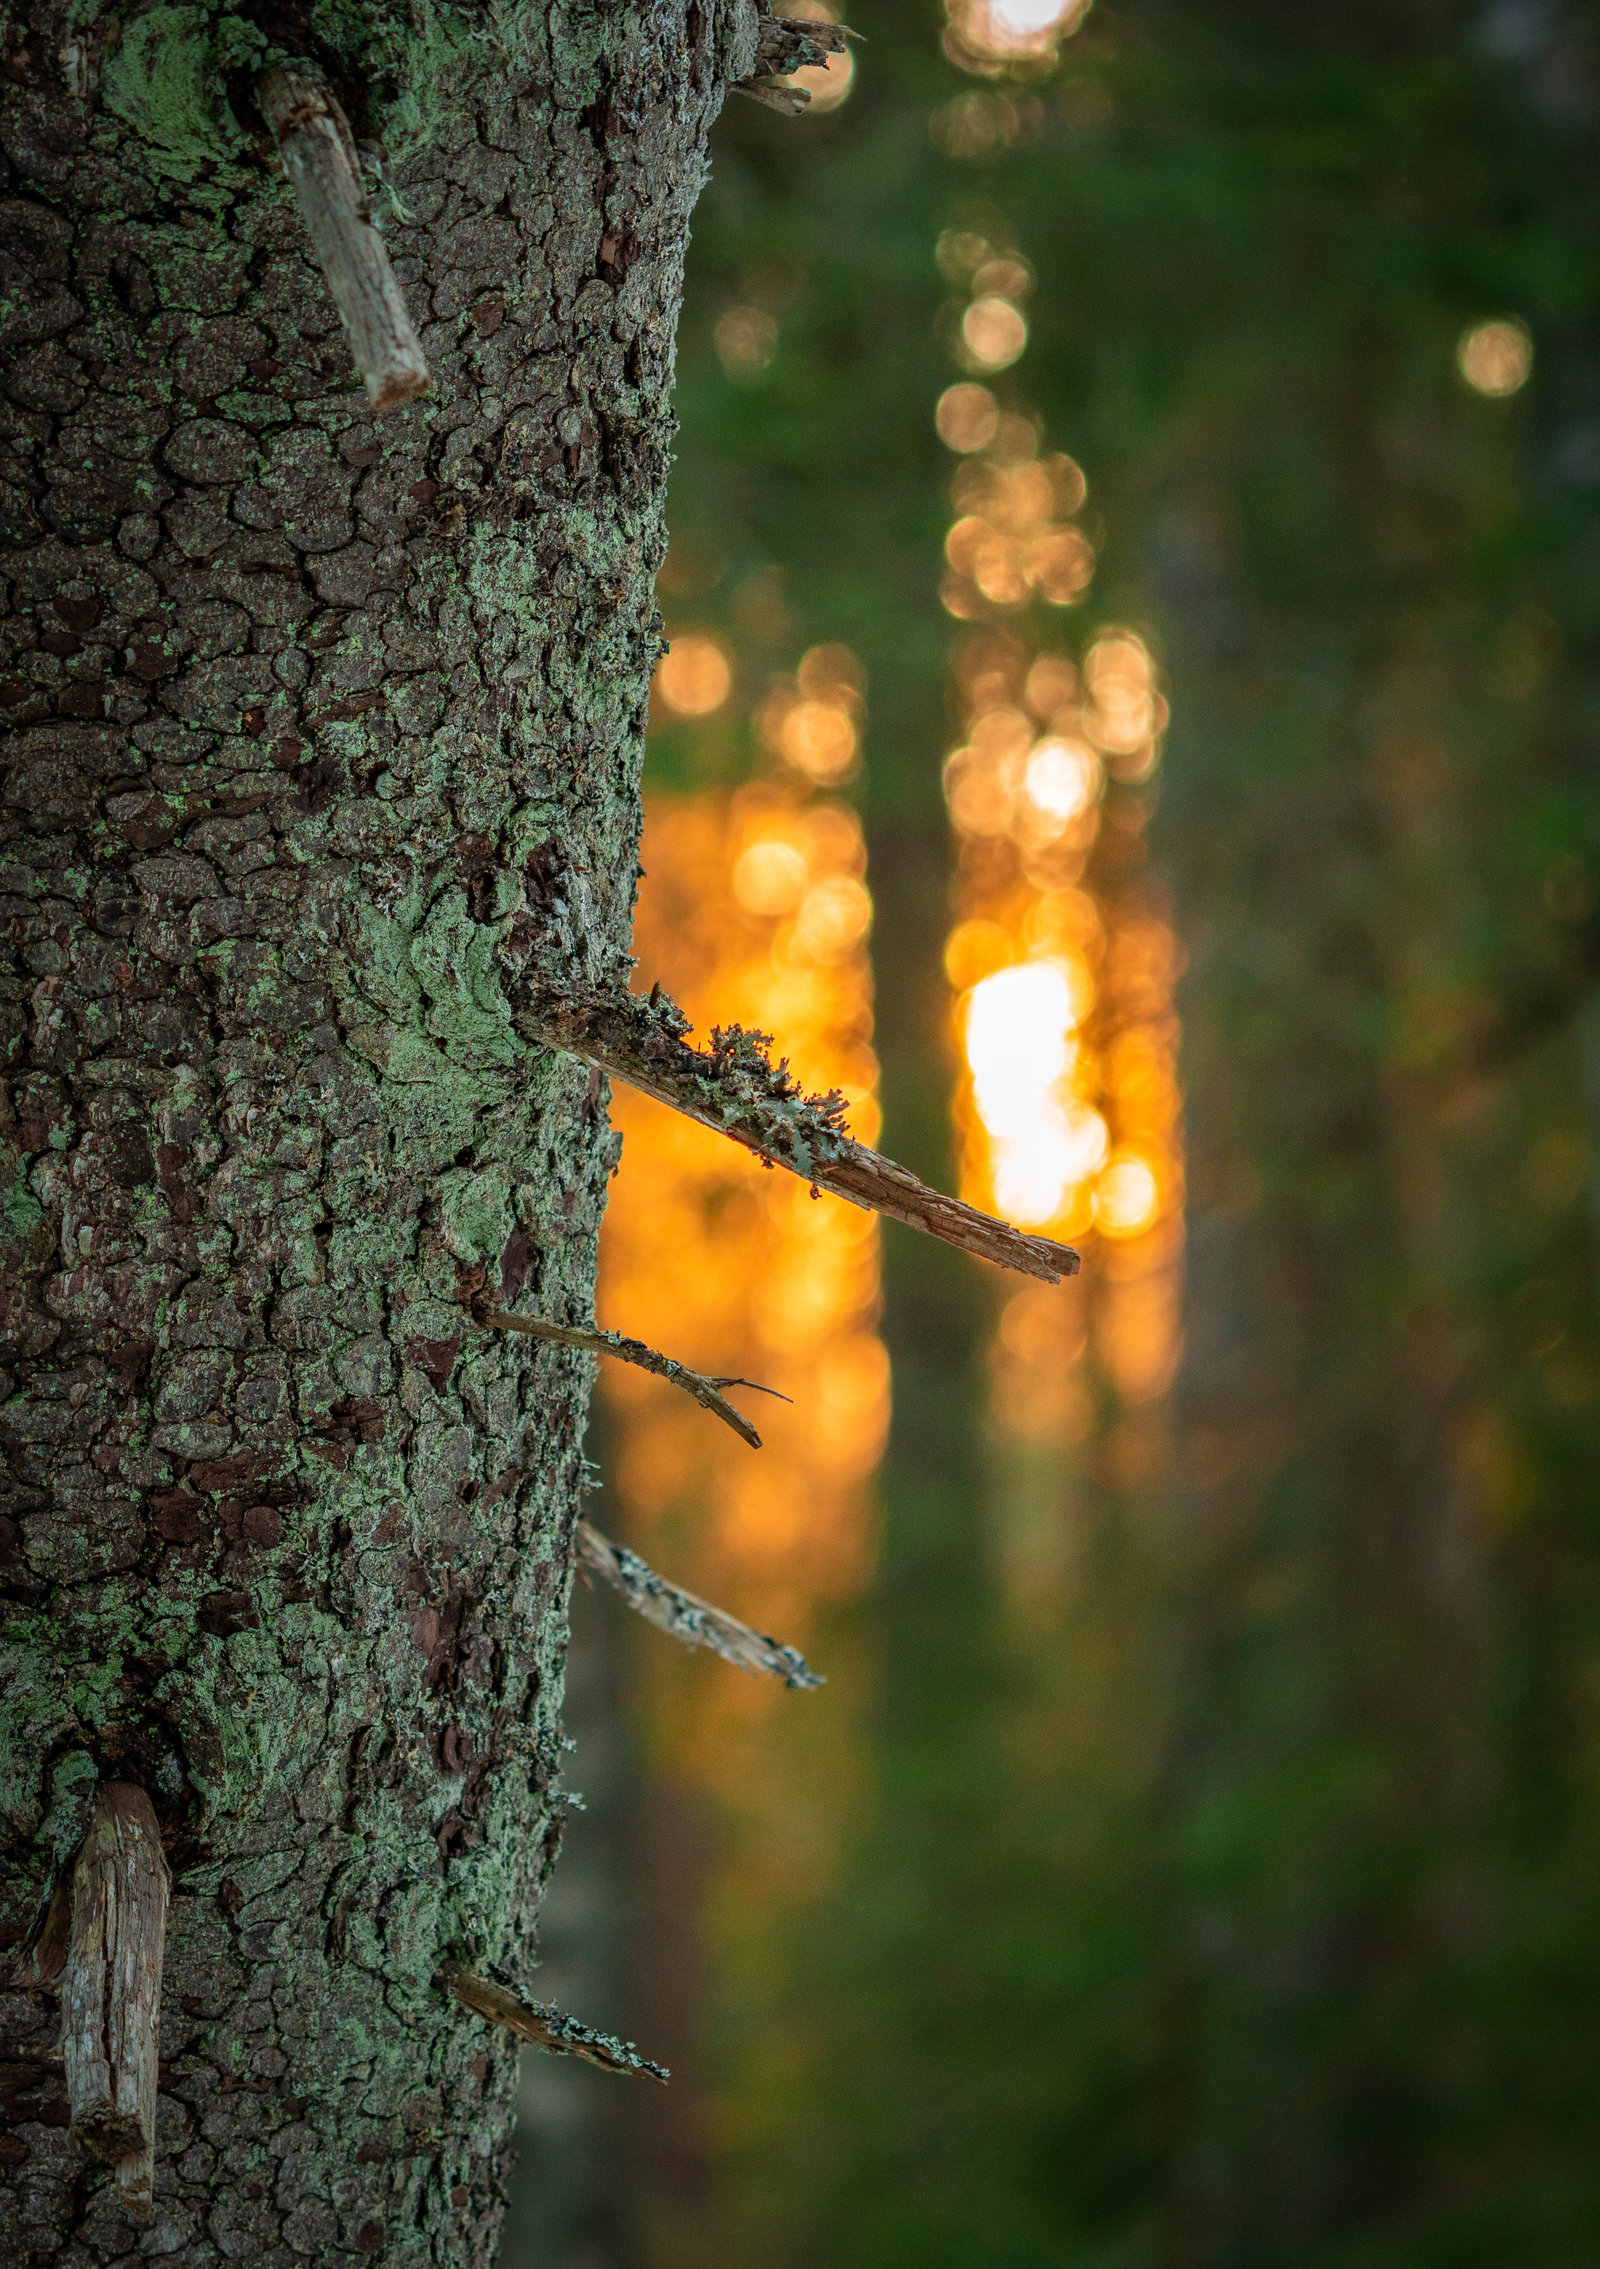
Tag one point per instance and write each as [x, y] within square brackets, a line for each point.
[593, 1341]
[111, 1988]
[736, 1089]
[695, 1621]
[319, 156]
[548, 2028]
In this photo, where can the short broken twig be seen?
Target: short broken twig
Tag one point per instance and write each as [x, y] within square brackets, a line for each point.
[548, 2028]
[695, 1621]
[111, 1988]
[706, 1391]
[319, 156]
[735, 1088]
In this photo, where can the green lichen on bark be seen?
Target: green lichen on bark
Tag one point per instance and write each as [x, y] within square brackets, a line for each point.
[315, 727]
[165, 78]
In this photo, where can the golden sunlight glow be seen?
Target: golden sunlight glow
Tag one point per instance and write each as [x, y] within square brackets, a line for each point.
[992, 35]
[832, 673]
[754, 910]
[993, 333]
[1014, 537]
[818, 740]
[967, 418]
[834, 918]
[695, 678]
[973, 951]
[1061, 779]
[811, 719]
[1020, 1052]
[1127, 1197]
[1039, 1392]
[1007, 277]
[1496, 357]
[960, 253]
[1051, 688]
[1061, 960]
[1124, 715]
[1018, 1045]
[770, 877]
[1027, 20]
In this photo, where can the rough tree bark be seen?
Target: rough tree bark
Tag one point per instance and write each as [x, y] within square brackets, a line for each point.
[309, 712]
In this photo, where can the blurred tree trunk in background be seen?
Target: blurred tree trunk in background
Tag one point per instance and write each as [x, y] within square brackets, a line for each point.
[1377, 591]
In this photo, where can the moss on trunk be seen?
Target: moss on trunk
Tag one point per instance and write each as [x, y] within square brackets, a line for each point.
[311, 717]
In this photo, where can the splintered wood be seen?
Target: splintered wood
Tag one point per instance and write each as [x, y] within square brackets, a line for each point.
[786, 44]
[111, 1988]
[324, 170]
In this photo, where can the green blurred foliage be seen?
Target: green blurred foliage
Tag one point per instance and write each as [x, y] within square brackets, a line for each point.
[1240, 1905]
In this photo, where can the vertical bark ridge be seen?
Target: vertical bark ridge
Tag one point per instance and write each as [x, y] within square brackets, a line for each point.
[304, 714]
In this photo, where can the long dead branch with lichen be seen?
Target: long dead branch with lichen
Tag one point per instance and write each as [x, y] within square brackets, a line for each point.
[706, 1391]
[735, 1087]
[548, 2028]
[695, 1621]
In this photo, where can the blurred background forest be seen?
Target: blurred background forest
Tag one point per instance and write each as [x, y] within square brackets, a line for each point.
[1131, 722]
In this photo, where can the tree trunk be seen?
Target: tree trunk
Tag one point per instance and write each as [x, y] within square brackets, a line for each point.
[316, 721]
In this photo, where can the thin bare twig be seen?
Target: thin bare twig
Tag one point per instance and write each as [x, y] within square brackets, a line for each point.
[548, 2028]
[695, 1621]
[593, 1341]
[735, 1088]
[319, 156]
[111, 1988]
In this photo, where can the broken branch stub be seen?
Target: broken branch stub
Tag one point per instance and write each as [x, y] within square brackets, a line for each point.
[786, 44]
[548, 2028]
[319, 157]
[706, 1391]
[735, 1088]
[695, 1621]
[111, 1988]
